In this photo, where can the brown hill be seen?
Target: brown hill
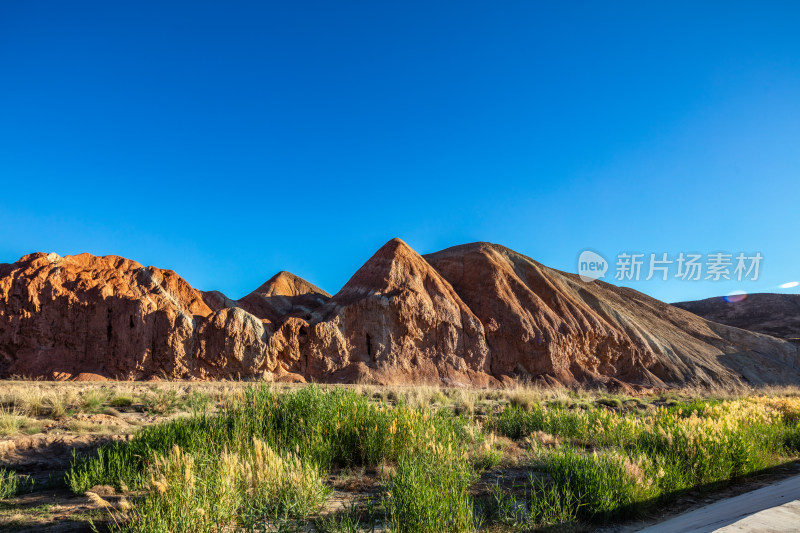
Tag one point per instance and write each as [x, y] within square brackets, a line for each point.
[283, 294]
[772, 314]
[397, 320]
[543, 323]
[477, 313]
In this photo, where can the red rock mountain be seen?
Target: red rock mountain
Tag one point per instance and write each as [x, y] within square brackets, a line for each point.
[478, 313]
[772, 314]
[397, 320]
[543, 323]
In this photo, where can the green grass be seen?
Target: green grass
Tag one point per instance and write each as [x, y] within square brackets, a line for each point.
[200, 493]
[9, 483]
[349, 520]
[263, 457]
[618, 464]
[319, 431]
[429, 492]
[540, 504]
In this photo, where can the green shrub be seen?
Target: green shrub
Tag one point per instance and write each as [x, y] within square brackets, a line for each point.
[611, 401]
[161, 401]
[121, 401]
[93, 400]
[12, 483]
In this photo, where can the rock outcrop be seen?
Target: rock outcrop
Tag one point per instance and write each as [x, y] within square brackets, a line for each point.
[477, 314]
[769, 313]
[96, 315]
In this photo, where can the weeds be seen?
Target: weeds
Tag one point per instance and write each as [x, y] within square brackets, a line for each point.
[93, 401]
[161, 401]
[200, 493]
[345, 521]
[614, 464]
[12, 483]
[10, 420]
[9, 483]
[429, 491]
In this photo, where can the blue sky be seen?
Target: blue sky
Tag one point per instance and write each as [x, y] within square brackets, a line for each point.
[230, 140]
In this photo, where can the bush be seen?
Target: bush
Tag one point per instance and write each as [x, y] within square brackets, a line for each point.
[121, 401]
[161, 402]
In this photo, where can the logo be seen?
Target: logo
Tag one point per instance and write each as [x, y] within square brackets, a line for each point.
[591, 266]
[716, 266]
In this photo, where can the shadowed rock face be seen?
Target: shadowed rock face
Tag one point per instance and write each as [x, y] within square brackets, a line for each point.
[478, 313]
[772, 314]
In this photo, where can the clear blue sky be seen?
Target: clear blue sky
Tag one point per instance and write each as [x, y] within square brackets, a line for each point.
[230, 140]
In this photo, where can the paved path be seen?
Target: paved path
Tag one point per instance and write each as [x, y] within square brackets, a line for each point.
[772, 509]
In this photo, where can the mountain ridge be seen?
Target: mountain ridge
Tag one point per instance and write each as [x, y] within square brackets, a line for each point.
[478, 313]
[774, 314]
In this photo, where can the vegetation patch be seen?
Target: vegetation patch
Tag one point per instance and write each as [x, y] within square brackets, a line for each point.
[405, 459]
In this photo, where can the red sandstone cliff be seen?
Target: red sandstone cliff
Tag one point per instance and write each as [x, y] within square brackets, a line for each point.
[102, 315]
[541, 322]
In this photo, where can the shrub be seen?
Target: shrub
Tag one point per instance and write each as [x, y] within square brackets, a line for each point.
[161, 401]
[121, 401]
[12, 483]
[9, 483]
[93, 400]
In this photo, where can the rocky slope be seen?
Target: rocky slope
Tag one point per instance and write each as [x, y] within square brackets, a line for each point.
[479, 314]
[772, 314]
